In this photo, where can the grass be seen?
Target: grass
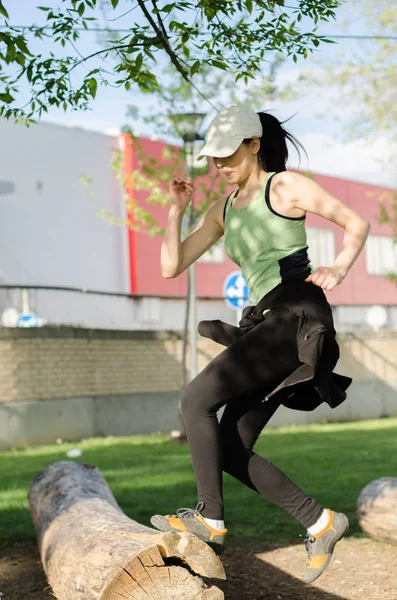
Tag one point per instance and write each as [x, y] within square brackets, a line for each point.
[148, 474]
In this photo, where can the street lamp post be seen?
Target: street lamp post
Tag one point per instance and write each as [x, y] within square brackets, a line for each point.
[187, 126]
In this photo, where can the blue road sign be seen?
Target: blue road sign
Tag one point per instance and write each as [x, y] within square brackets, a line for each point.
[27, 320]
[235, 290]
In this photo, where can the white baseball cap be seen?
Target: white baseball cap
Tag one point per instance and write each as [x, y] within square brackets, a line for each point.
[229, 128]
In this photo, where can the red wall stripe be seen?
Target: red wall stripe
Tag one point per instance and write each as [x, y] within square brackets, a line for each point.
[129, 189]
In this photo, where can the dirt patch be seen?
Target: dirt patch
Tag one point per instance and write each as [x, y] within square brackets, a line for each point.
[21, 574]
[361, 569]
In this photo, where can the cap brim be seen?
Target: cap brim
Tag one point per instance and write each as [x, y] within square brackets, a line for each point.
[222, 149]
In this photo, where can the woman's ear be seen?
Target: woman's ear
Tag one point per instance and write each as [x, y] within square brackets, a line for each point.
[255, 145]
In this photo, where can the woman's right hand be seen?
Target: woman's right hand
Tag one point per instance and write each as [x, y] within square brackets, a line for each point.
[181, 191]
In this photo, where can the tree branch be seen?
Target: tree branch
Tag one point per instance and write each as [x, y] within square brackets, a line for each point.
[150, 42]
[160, 22]
[164, 42]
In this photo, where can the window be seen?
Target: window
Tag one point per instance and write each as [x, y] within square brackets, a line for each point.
[381, 255]
[215, 254]
[321, 242]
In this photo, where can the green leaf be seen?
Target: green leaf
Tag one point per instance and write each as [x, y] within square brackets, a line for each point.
[168, 8]
[92, 86]
[249, 6]
[81, 9]
[45, 8]
[20, 59]
[6, 98]
[11, 52]
[114, 3]
[21, 43]
[3, 11]
[195, 68]
[138, 62]
[219, 64]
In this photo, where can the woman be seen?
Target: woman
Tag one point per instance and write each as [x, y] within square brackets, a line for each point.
[284, 350]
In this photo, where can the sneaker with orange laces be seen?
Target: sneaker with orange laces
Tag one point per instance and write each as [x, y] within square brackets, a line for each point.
[192, 521]
[321, 546]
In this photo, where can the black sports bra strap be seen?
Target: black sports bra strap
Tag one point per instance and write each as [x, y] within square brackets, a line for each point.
[224, 210]
[270, 207]
[267, 190]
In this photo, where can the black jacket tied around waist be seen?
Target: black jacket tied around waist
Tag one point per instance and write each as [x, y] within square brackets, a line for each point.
[314, 381]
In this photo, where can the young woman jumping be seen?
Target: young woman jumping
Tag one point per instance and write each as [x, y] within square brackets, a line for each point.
[284, 350]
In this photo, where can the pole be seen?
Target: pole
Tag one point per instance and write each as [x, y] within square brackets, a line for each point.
[192, 283]
[25, 301]
[193, 321]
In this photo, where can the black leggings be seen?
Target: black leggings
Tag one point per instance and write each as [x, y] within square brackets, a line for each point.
[240, 377]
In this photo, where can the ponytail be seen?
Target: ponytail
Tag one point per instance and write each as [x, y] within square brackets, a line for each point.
[273, 151]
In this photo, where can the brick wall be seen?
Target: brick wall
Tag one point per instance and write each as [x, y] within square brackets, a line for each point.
[65, 362]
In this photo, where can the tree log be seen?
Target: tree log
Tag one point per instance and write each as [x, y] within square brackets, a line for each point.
[377, 509]
[91, 550]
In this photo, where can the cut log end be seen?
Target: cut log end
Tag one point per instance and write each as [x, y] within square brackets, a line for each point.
[377, 509]
[159, 583]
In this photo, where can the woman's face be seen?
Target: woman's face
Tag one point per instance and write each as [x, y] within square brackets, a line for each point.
[239, 166]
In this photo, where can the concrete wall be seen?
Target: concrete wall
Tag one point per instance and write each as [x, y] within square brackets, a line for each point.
[72, 383]
[51, 231]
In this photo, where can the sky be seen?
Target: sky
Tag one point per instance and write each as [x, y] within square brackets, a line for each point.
[322, 136]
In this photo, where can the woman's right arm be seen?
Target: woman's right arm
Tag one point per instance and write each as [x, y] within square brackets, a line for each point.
[177, 256]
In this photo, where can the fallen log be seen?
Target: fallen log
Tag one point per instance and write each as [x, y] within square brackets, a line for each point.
[377, 509]
[91, 550]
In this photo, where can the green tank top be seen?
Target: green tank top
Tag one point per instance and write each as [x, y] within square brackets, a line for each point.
[270, 248]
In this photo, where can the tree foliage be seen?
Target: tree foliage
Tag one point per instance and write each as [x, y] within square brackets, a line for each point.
[227, 35]
[364, 77]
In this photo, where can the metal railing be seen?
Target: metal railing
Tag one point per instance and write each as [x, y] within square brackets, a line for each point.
[105, 309]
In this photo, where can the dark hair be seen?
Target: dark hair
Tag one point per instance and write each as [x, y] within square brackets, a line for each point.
[273, 152]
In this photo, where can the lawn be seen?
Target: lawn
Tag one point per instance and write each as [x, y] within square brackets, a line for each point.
[149, 474]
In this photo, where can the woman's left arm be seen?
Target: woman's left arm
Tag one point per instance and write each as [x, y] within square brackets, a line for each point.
[307, 195]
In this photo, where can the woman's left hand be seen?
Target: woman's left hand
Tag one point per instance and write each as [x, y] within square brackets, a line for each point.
[326, 277]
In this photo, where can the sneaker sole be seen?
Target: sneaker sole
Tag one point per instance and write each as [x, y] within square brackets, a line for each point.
[162, 524]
